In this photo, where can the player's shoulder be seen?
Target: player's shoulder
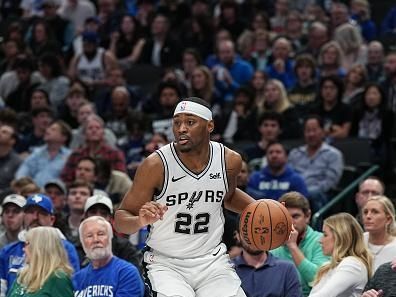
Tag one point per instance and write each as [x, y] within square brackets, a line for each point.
[231, 155]
[153, 161]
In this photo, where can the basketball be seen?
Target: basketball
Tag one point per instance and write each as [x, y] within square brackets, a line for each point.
[265, 224]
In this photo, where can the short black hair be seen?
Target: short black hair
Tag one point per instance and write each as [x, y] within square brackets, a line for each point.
[275, 142]
[37, 111]
[170, 85]
[92, 160]
[248, 92]
[270, 116]
[316, 117]
[44, 92]
[23, 62]
[337, 81]
[51, 60]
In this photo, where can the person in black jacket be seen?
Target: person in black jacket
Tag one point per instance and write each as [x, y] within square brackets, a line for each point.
[373, 120]
[161, 49]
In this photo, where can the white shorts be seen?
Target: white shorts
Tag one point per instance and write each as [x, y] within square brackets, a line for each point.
[211, 275]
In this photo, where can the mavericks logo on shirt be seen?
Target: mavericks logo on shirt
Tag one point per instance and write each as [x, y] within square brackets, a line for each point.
[95, 291]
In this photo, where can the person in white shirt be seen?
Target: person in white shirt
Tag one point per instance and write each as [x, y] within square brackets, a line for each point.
[351, 264]
[378, 216]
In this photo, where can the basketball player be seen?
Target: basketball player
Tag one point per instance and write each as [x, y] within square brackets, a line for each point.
[179, 191]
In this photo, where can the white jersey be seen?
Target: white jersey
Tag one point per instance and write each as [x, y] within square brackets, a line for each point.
[91, 70]
[193, 225]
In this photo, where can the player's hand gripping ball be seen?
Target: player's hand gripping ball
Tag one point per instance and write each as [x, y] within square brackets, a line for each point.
[265, 224]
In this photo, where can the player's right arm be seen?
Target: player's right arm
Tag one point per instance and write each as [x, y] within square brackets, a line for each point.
[137, 208]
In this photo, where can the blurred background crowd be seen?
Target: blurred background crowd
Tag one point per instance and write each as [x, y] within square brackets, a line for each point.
[304, 90]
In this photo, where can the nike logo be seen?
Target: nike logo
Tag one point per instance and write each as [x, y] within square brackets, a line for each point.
[176, 179]
[215, 254]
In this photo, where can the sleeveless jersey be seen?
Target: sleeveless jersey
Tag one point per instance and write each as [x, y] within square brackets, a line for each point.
[193, 225]
[94, 69]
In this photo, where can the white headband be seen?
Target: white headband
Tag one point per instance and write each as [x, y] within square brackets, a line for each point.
[193, 108]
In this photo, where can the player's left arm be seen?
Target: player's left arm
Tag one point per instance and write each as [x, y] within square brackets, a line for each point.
[236, 200]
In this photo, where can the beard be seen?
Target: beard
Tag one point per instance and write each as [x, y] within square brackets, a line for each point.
[98, 253]
[247, 248]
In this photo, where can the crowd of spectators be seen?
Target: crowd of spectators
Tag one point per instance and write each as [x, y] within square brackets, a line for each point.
[74, 126]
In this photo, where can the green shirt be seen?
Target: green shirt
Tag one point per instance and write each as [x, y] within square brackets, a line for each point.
[314, 257]
[57, 285]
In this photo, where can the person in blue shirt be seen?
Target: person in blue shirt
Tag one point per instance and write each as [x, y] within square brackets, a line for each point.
[264, 275]
[231, 71]
[38, 211]
[106, 275]
[277, 178]
[281, 66]
[388, 25]
[47, 161]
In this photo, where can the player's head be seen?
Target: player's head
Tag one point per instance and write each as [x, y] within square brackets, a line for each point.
[192, 123]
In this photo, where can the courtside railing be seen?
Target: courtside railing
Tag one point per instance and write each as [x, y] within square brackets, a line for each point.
[317, 217]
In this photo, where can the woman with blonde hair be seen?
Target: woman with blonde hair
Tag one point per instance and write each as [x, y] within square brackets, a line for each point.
[351, 42]
[275, 97]
[354, 85]
[202, 84]
[257, 84]
[378, 216]
[331, 59]
[47, 272]
[351, 263]
[275, 100]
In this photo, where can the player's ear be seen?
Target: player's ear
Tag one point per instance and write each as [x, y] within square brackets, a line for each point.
[210, 126]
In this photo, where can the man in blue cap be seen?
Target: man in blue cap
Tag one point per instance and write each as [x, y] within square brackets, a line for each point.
[38, 211]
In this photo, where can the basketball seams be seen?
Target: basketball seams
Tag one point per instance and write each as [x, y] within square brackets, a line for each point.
[287, 218]
[252, 225]
[270, 219]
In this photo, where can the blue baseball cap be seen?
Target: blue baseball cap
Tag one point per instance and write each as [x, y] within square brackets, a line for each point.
[42, 201]
[90, 36]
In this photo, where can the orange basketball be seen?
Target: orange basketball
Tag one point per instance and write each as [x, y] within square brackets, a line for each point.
[265, 224]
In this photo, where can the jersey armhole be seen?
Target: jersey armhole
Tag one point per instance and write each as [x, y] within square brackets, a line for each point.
[161, 192]
[223, 167]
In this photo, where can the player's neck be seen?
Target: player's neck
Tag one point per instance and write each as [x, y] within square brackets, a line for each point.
[195, 160]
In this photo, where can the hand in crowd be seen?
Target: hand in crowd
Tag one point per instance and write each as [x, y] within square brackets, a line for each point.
[292, 242]
[373, 293]
[151, 212]
[279, 65]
